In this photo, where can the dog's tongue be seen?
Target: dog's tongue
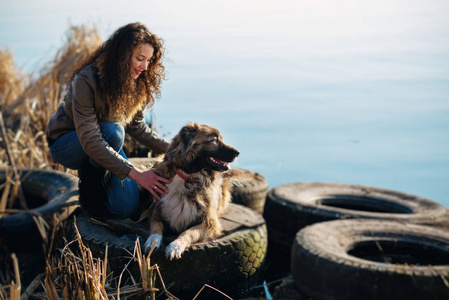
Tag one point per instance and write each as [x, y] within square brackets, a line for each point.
[227, 165]
[223, 163]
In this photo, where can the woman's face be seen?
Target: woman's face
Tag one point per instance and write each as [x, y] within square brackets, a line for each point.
[141, 59]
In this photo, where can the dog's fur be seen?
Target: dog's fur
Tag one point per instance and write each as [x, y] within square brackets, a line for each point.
[194, 161]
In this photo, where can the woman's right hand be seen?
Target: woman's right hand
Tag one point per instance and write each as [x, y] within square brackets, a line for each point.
[150, 181]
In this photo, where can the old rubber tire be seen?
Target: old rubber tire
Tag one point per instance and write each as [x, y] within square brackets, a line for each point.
[290, 207]
[371, 259]
[232, 263]
[47, 192]
[248, 188]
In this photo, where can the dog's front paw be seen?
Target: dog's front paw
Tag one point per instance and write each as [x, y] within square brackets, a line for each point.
[154, 238]
[175, 250]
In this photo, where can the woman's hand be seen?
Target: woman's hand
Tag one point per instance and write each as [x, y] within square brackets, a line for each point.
[150, 181]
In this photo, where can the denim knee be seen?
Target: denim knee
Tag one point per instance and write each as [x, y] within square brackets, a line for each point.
[114, 134]
[68, 151]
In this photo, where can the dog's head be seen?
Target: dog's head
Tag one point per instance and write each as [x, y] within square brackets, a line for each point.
[197, 147]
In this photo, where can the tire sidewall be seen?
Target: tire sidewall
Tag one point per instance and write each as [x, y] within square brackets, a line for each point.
[60, 193]
[323, 269]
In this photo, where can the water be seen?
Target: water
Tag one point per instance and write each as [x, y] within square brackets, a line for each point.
[336, 91]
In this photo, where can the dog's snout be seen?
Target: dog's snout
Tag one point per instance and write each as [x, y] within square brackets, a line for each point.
[233, 152]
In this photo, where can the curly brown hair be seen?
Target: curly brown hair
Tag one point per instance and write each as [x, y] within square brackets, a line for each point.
[126, 95]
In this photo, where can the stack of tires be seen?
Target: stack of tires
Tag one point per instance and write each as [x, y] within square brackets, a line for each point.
[344, 241]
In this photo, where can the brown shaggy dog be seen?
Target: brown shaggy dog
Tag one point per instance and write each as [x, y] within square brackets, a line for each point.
[194, 161]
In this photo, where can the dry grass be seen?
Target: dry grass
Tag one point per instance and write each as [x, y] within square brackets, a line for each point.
[76, 274]
[72, 272]
[15, 287]
[11, 78]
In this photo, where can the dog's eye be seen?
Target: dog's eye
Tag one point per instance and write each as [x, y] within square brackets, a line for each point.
[213, 140]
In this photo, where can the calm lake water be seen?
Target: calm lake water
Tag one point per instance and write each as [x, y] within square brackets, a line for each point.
[338, 91]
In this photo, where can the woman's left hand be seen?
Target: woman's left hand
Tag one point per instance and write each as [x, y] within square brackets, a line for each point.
[150, 181]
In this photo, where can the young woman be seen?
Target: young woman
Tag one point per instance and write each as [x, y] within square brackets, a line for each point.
[106, 99]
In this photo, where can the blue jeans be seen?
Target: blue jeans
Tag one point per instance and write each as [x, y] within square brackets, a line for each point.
[123, 196]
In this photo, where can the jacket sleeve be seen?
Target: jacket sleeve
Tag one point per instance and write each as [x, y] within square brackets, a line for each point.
[88, 129]
[145, 135]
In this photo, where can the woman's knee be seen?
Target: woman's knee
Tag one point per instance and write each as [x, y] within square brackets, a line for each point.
[114, 134]
[68, 151]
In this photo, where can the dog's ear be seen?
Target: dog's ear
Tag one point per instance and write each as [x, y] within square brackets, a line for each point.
[180, 151]
[174, 151]
[188, 134]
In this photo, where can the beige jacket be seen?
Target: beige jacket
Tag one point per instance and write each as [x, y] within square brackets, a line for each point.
[82, 109]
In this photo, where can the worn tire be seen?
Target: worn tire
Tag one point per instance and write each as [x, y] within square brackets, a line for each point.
[371, 259]
[248, 188]
[290, 207]
[47, 192]
[232, 263]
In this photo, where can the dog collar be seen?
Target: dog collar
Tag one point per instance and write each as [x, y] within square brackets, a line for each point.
[187, 179]
[180, 174]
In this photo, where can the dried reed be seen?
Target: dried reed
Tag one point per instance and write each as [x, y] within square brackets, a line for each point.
[12, 79]
[15, 287]
[79, 276]
[76, 274]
